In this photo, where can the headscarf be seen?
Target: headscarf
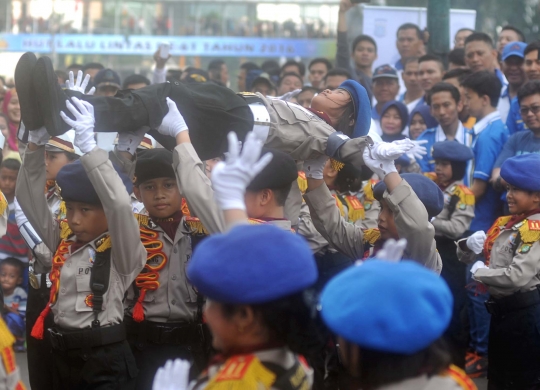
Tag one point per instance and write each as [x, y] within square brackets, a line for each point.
[402, 110]
[13, 126]
[425, 112]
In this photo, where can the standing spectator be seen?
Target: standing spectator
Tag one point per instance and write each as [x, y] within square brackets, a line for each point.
[218, 72]
[385, 89]
[334, 78]
[456, 77]
[412, 97]
[481, 55]
[12, 110]
[263, 85]
[512, 67]
[292, 66]
[92, 69]
[456, 59]
[461, 36]
[135, 81]
[245, 68]
[75, 68]
[410, 42]
[430, 72]
[107, 82]
[318, 68]
[305, 97]
[289, 82]
[394, 119]
[420, 120]
[509, 34]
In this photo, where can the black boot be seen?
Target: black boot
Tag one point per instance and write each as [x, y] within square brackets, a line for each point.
[30, 111]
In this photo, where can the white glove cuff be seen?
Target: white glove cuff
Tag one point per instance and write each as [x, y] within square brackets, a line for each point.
[39, 137]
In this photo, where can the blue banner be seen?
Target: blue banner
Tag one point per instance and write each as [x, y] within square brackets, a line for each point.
[180, 46]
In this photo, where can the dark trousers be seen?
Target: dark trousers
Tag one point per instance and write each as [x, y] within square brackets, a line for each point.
[514, 350]
[39, 354]
[105, 368]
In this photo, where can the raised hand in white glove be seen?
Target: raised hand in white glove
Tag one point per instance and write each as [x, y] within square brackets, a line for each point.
[476, 241]
[476, 266]
[83, 123]
[392, 250]
[419, 150]
[38, 137]
[381, 167]
[314, 168]
[130, 141]
[391, 150]
[231, 178]
[173, 123]
[80, 85]
[172, 376]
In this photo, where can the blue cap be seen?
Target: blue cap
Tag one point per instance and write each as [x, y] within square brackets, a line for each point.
[75, 185]
[385, 71]
[403, 111]
[522, 171]
[427, 191]
[384, 306]
[425, 111]
[362, 107]
[514, 49]
[247, 266]
[451, 151]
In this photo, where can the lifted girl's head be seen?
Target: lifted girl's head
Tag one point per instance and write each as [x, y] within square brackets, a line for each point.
[523, 183]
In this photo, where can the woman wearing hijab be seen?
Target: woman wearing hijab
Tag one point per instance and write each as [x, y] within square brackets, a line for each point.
[394, 118]
[420, 120]
[11, 108]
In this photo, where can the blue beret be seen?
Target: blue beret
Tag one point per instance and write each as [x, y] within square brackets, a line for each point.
[427, 191]
[75, 185]
[451, 151]
[425, 112]
[403, 111]
[362, 107]
[247, 266]
[389, 307]
[522, 171]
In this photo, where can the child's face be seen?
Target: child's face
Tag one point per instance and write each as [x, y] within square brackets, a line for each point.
[10, 277]
[54, 161]
[8, 179]
[161, 197]
[417, 126]
[521, 201]
[443, 170]
[387, 225]
[391, 122]
[87, 221]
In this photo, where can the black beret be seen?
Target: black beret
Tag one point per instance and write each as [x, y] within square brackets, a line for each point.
[451, 151]
[75, 185]
[427, 191]
[279, 173]
[153, 164]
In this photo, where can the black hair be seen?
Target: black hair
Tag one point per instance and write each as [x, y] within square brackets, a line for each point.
[301, 67]
[459, 73]
[363, 38]
[347, 117]
[431, 57]
[479, 36]
[290, 74]
[349, 179]
[93, 65]
[289, 320]
[530, 88]
[61, 74]
[271, 67]
[14, 262]
[443, 87]
[70, 156]
[135, 79]
[337, 72]
[459, 168]
[485, 83]
[247, 66]
[464, 29]
[532, 47]
[409, 60]
[321, 60]
[281, 194]
[11, 163]
[215, 65]
[457, 57]
[516, 30]
[378, 369]
[75, 66]
[409, 26]
[309, 88]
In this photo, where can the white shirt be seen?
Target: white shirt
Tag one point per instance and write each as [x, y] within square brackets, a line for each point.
[462, 136]
[504, 103]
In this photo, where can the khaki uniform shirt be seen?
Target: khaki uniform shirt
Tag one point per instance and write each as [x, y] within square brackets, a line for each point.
[128, 255]
[454, 223]
[514, 265]
[410, 217]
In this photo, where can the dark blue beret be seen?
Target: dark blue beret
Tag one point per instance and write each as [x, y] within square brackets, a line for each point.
[75, 185]
[252, 264]
[153, 164]
[427, 191]
[390, 307]
[452, 151]
[522, 171]
[280, 172]
[362, 107]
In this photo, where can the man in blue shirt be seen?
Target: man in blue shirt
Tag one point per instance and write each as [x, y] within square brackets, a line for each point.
[445, 102]
[512, 67]
[531, 66]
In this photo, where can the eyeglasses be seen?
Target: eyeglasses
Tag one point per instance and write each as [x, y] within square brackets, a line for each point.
[525, 110]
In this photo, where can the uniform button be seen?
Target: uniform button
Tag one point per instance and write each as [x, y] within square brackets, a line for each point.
[175, 250]
[61, 314]
[174, 277]
[63, 290]
[173, 301]
[176, 83]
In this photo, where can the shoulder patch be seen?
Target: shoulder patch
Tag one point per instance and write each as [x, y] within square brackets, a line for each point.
[431, 175]
[368, 190]
[371, 236]
[242, 372]
[529, 231]
[356, 209]
[465, 195]
[195, 224]
[302, 181]
[534, 225]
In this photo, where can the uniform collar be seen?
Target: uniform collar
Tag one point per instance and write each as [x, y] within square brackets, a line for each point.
[485, 121]
[441, 136]
[94, 244]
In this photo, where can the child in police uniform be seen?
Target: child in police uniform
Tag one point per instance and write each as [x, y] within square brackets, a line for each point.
[98, 253]
[511, 275]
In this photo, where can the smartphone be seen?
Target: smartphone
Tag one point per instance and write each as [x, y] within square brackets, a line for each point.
[164, 50]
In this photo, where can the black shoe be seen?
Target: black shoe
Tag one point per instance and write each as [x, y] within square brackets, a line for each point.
[51, 97]
[30, 111]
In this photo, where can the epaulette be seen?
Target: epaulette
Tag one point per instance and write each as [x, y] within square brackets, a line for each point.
[368, 190]
[6, 338]
[302, 181]
[62, 211]
[242, 372]
[195, 225]
[336, 165]
[529, 231]
[185, 208]
[65, 230]
[371, 236]
[339, 205]
[460, 377]
[356, 209]
[431, 176]
[103, 243]
[3, 203]
[466, 196]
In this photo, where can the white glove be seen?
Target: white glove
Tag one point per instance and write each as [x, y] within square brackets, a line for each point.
[381, 167]
[392, 250]
[172, 376]
[231, 178]
[476, 266]
[80, 85]
[391, 150]
[39, 137]
[83, 123]
[173, 123]
[418, 151]
[314, 168]
[289, 95]
[128, 142]
[476, 241]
